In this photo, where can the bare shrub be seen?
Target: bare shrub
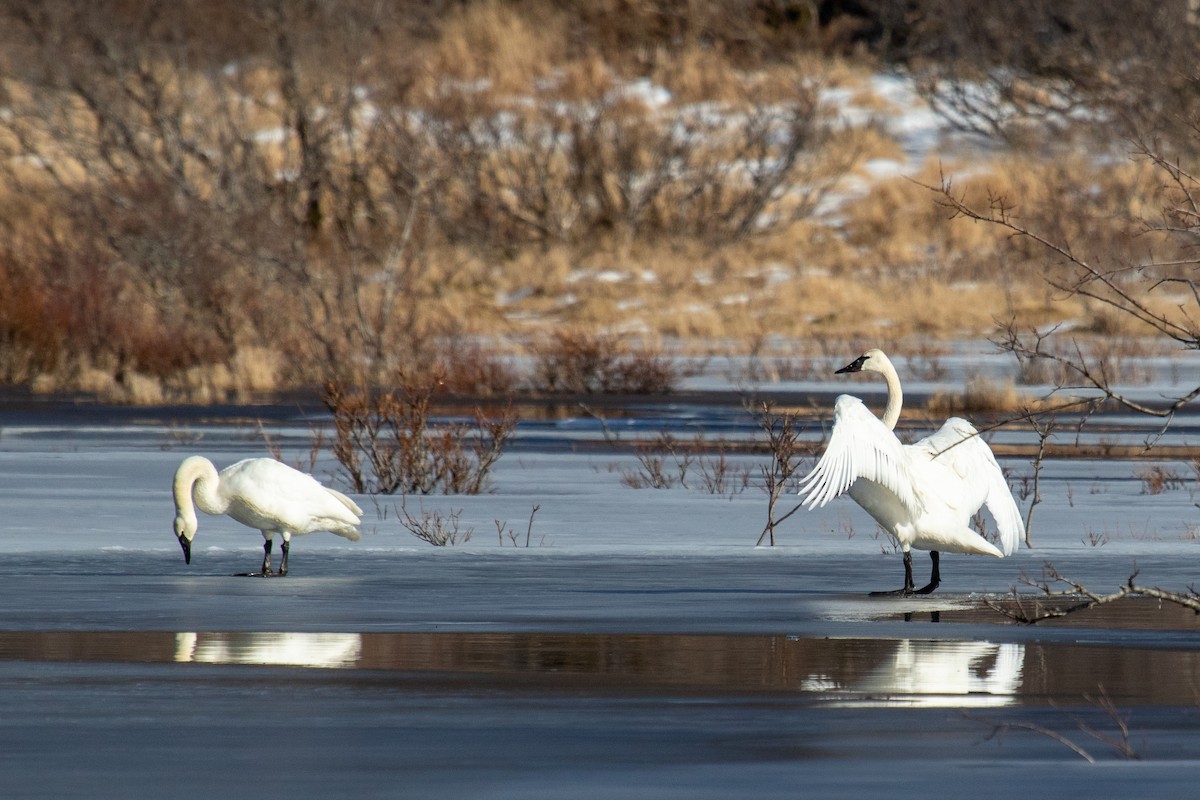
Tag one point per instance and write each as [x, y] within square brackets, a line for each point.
[783, 443]
[1119, 740]
[503, 531]
[653, 471]
[1158, 478]
[387, 442]
[30, 332]
[1158, 297]
[1061, 596]
[308, 463]
[581, 363]
[216, 208]
[470, 368]
[1018, 69]
[434, 527]
[716, 474]
[559, 168]
[1043, 425]
[346, 181]
[666, 462]
[719, 476]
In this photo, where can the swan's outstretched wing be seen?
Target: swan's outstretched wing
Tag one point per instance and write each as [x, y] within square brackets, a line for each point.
[860, 447]
[958, 446]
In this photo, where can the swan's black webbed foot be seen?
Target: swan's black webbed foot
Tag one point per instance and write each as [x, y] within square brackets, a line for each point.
[935, 576]
[265, 571]
[907, 591]
[935, 579]
[266, 565]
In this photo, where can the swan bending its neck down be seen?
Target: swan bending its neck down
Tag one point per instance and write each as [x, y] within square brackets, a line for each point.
[264, 494]
[923, 494]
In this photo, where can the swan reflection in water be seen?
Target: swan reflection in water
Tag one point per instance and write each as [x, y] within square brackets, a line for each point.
[327, 650]
[932, 673]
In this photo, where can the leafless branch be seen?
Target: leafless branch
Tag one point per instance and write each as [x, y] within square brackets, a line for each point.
[1077, 597]
[433, 527]
[999, 729]
[1108, 287]
[782, 439]
[1120, 742]
[1044, 427]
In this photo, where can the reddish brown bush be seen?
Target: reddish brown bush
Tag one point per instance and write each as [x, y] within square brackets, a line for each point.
[388, 442]
[582, 363]
[31, 328]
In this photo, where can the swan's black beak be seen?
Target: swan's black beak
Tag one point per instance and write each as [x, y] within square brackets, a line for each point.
[853, 366]
[186, 544]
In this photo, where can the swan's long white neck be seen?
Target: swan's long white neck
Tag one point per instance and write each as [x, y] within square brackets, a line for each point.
[895, 401]
[198, 478]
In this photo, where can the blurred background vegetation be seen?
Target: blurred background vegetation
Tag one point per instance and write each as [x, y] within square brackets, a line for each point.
[202, 199]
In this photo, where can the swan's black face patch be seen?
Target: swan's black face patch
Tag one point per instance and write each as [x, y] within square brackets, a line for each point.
[853, 366]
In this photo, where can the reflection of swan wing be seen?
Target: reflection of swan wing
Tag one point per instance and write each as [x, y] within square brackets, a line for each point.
[936, 674]
[328, 650]
[930, 670]
[1004, 678]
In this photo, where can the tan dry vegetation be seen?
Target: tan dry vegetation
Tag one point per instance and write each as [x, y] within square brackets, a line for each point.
[200, 225]
[490, 46]
[981, 395]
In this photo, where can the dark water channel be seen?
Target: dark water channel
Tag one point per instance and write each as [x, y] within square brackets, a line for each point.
[848, 671]
[547, 715]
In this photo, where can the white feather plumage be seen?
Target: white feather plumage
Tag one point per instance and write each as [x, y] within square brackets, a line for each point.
[923, 494]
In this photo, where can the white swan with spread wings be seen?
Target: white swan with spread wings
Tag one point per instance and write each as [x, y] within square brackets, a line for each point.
[923, 494]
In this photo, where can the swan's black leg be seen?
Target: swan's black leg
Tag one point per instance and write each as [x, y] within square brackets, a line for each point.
[266, 567]
[286, 546]
[935, 577]
[908, 579]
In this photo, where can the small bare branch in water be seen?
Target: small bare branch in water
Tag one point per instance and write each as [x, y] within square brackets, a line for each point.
[1077, 597]
[1119, 741]
[435, 528]
[1044, 427]
[502, 530]
[999, 729]
[783, 441]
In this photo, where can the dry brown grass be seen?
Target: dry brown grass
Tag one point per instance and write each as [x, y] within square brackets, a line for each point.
[148, 273]
[981, 395]
[496, 46]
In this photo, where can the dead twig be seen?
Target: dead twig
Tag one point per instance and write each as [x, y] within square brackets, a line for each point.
[783, 441]
[435, 528]
[1077, 597]
[999, 729]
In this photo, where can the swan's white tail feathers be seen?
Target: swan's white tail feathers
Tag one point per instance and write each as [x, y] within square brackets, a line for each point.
[982, 546]
[346, 501]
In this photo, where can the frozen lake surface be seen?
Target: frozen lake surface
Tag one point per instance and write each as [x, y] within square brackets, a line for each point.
[641, 646]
